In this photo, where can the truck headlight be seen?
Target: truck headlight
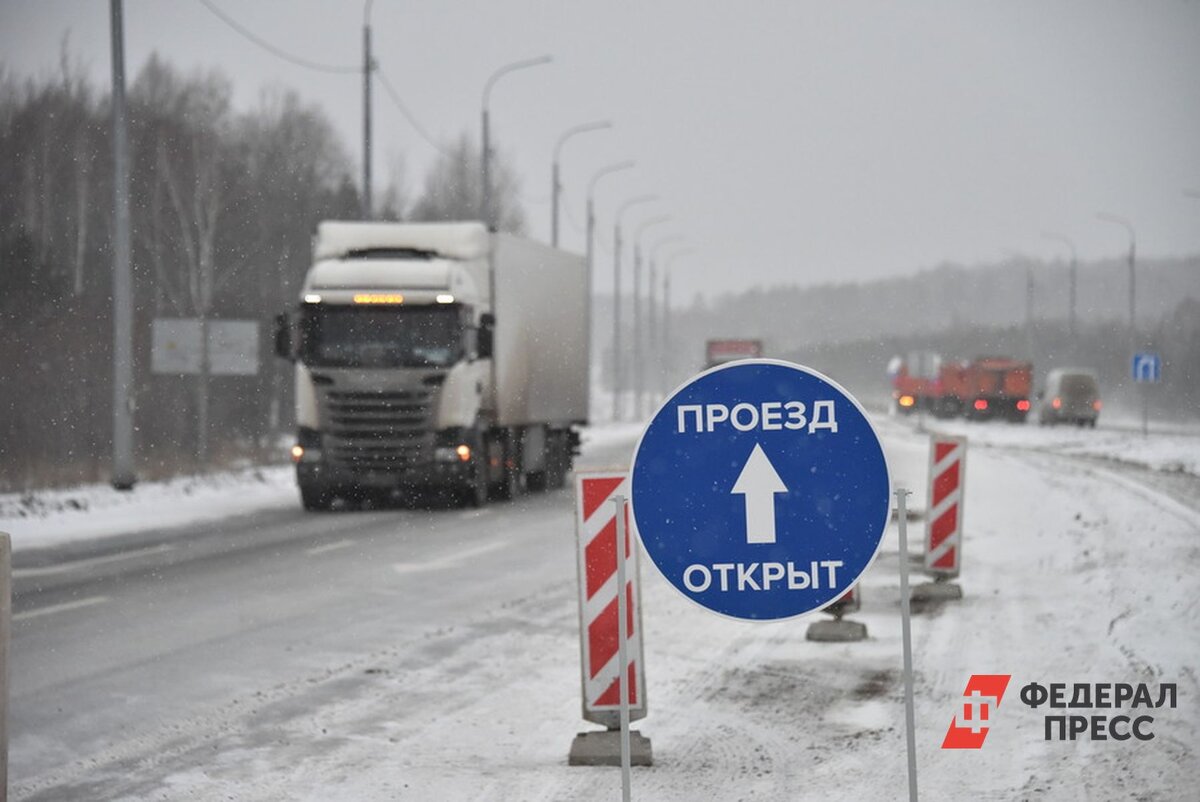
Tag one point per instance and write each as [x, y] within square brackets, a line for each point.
[459, 453]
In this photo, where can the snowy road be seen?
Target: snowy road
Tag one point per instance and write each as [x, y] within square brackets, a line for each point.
[417, 654]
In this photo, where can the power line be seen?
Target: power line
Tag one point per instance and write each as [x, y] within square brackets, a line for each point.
[330, 68]
[408, 115]
[283, 54]
[388, 87]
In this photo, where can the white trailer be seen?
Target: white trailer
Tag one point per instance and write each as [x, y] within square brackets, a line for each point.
[435, 356]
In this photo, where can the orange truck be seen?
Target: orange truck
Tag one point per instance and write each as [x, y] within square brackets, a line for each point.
[917, 382]
[995, 387]
[981, 389]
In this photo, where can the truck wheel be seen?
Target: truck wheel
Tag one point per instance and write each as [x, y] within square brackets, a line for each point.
[315, 499]
[513, 483]
[558, 464]
[512, 478]
[475, 494]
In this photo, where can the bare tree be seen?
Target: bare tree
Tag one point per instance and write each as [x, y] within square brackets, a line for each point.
[453, 188]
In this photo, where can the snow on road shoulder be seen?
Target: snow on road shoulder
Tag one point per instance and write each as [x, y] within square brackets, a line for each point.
[47, 518]
[1171, 450]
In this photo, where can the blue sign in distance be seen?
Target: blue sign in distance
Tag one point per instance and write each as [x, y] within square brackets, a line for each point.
[761, 490]
[1147, 367]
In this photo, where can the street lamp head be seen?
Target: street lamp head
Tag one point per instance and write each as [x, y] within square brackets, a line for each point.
[629, 204]
[670, 239]
[653, 221]
[671, 257]
[511, 67]
[1108, 217]
[1063, 238]
[608, 170]
[598, 125]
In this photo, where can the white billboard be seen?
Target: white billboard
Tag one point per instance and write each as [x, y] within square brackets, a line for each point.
[232, 347]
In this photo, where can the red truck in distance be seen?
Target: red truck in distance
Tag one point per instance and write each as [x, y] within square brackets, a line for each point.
[981, 389]
[718, 352]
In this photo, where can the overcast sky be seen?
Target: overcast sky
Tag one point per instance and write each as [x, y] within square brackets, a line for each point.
[792, 142]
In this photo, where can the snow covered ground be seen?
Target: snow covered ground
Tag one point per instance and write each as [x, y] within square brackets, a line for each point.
[1073, 573]
[50, 518]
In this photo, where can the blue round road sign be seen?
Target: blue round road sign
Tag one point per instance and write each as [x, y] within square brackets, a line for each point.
[760, 490]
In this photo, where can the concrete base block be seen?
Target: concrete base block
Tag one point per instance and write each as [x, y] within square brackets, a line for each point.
[836, 631]
[936, 592]
[603, 748]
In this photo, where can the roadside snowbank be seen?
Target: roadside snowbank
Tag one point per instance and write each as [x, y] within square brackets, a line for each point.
[47, 518]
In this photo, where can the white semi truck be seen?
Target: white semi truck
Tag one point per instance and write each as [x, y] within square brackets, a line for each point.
[436, 356]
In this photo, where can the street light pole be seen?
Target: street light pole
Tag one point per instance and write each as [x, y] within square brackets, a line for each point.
[486, 212]
[654, 347]
[555, 183]
[123, 476]
[1052, 235]
[639, 367]
[617, 376]
[1121, 221]
[666, 315]
[368, 66]
[591, 241]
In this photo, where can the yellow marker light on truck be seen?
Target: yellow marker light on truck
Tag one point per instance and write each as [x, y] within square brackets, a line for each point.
[905, 401]
[445, 299]
[378, 298]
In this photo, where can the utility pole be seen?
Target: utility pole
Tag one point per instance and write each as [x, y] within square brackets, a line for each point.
[368, 65]
[123, 477]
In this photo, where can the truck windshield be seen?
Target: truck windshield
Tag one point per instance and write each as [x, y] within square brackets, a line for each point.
[382, 336]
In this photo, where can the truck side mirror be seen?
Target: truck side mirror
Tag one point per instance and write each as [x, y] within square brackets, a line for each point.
[487, 328]
[283, 337]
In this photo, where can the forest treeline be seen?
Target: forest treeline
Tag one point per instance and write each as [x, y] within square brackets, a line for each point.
[224, 203]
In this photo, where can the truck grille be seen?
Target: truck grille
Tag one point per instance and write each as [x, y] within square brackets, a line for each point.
[379, 431]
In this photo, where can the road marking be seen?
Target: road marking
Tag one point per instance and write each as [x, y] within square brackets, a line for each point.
[91, 601]
[75, 565]
[449, 561]
[334, 546]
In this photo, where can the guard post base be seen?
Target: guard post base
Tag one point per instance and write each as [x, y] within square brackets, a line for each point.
[937, 591]
[839, 630]
[603, 748]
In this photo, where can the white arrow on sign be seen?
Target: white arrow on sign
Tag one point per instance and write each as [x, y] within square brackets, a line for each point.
[759, 482]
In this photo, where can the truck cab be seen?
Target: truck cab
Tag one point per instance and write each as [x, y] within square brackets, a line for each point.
[393, 343]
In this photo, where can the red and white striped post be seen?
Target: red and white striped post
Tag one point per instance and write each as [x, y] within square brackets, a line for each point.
[944, 517]
[596, 528]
